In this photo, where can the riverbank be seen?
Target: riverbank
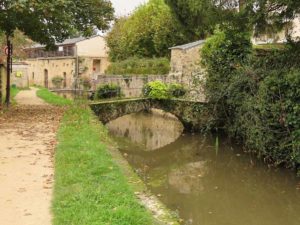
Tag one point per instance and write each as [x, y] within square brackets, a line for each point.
[89, 187]
[94, 184]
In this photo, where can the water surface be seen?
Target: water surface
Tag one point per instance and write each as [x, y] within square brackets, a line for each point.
[205, 185]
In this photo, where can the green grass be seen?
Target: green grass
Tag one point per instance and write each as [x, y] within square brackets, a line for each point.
[89, 187]
[52, 98]
[14, 91]
[275, 46]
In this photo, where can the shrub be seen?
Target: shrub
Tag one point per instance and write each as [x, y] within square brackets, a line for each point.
[57, 81]
[255, 98]
[177, 90]
[156, 90]
[137, 66]
[108, 91]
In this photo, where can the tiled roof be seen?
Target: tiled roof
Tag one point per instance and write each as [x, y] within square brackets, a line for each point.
[66, 42]
[189, 45]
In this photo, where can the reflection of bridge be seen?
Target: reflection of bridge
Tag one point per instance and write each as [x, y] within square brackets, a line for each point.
[192, 114]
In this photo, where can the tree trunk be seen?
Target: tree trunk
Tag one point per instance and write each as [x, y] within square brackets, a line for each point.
[8, 69]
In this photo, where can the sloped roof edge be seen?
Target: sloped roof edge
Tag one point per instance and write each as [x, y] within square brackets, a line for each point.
[69, 41]
[189, 45]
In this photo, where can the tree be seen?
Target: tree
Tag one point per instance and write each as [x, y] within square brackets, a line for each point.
[19, 41]
[200, 17]
[148, 32]
[49, 21]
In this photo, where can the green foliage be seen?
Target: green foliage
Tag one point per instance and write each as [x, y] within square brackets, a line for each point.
[255, 98]
[137, 66]
[159, 90]
[108, 91]
[198, 17]
[52, 98]
[90, 188]
[57, 81]
[223, 54]
[49, 21]
[156, 90]
[177, 90]
[20, 43]
[148, 32]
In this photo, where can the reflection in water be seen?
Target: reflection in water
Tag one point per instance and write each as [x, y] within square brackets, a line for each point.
[147, 132]
[205, 188]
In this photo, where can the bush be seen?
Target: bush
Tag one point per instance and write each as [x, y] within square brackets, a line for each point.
[255, 98]
[177, 90]
[137, 66]
[57, 81]
[108, 91]
[156, 90]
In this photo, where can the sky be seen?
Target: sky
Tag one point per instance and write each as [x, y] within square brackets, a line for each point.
[124, 7]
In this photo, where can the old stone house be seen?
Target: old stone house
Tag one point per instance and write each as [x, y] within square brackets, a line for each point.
[186, 68]
[74, 58]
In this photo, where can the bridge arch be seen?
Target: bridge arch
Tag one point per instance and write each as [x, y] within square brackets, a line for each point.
[192, 114]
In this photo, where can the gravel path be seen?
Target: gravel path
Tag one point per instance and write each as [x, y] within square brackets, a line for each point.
[27, 143]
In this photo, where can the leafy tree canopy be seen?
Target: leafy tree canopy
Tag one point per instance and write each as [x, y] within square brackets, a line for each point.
[201, 16]
[54, 20]
[148, 32]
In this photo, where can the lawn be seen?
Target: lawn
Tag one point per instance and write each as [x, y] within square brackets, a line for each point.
[52, 98]
[89, 187]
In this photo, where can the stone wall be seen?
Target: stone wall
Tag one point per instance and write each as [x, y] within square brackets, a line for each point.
[131, 86]
[65, 66]
[19, 76]
[186, 69]
[38, 68]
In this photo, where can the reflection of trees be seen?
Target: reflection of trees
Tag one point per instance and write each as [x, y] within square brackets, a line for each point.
[209, 187]
[188, 178]
[219, 189]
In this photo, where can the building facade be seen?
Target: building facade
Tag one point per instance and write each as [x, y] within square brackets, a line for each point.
[73, 59]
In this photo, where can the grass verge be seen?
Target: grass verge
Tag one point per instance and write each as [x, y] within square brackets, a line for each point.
[89, 187]
[52, 98]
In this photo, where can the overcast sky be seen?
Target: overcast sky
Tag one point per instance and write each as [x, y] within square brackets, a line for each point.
[124, 7]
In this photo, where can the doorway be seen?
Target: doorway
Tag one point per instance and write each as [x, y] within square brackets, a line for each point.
[97, 66]
[46, 82]
[65, 80]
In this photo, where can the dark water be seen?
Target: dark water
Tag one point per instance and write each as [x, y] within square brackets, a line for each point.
[206, 186]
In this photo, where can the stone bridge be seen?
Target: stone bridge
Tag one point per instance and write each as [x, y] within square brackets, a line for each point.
[193, 115]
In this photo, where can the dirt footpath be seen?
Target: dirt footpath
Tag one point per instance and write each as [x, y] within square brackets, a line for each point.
[27, 143]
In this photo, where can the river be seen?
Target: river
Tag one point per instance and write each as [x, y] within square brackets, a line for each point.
[205, 184]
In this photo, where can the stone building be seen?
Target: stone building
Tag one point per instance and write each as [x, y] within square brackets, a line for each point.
[74, 58]
[186, 68]
[19, 75]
